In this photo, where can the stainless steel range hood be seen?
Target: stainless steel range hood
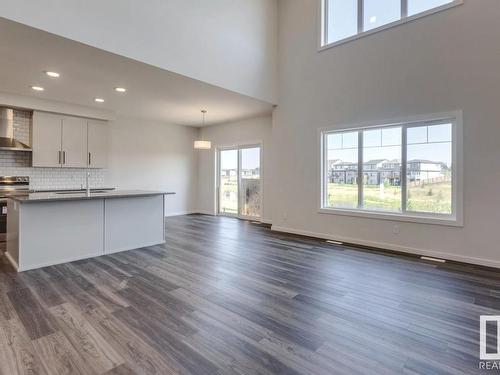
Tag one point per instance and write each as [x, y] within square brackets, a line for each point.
[7, 141]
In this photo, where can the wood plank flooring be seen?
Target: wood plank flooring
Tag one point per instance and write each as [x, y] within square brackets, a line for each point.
[224, 296]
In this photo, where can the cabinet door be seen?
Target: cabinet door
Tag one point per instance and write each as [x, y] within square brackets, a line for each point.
[74, 142]
[46, 140]
[97, 144]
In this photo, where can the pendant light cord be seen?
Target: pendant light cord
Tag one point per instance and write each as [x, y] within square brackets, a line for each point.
[203, 111]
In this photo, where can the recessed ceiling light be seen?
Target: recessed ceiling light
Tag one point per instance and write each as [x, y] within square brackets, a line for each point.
[99, 100]
[52, 74]
[37, 88]
[373, 19]
[120, 89]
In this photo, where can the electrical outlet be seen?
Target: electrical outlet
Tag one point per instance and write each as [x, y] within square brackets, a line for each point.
[395, 229]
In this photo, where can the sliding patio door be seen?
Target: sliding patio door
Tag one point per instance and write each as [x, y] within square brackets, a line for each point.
[240, 181]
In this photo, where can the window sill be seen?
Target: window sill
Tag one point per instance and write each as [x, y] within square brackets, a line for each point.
[408, 218]
[391, 25]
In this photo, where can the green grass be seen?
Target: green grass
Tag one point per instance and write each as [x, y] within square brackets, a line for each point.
[230, 205]
[434, 198]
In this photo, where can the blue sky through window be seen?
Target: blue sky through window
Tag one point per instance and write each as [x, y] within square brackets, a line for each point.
[419, 6]
[381, 12]
[342, 19]
[432, 143]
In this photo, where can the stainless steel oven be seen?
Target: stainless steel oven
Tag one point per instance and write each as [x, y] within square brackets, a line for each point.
[10, 185]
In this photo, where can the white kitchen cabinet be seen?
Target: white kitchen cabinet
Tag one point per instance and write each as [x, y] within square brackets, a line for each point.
[68, 142]
[74, 142]
[97, 138]
[47, 132]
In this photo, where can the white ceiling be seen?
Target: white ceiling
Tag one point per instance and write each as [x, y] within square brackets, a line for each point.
[88, 72]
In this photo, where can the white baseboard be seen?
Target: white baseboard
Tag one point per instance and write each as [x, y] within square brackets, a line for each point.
[205, 212]
[180, 213]
[394, 247]
[12, 261]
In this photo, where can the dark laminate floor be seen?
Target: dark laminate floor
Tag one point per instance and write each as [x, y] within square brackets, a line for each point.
[226, 296]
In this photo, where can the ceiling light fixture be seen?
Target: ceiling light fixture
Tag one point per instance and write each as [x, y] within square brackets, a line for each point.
[37, 88]
[373, 19]
[99, 100]
[53, 74]
[120, 89]
[202, 144]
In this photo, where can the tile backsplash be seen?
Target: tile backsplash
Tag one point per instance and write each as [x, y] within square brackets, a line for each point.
[55, 178]
[18, 163]
[22, 126]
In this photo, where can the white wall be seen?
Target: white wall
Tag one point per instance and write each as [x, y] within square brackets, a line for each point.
[228, 43]
[444, 62]
[154, 156]
[231, 134]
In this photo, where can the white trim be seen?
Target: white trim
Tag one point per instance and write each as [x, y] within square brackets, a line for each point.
[238, 147]
[394, 247]
[456, 219]
[322, 37]
[12, 261]
[181, 213]
[408, 218]
[205, 212]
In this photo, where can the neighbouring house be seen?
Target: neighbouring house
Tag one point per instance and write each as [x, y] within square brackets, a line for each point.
[423, 170]
[383, 171]
[250, 173]
[342, 172]
[372, 171]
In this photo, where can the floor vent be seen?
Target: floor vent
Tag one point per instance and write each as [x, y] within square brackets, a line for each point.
[334, 242]
[433, 259]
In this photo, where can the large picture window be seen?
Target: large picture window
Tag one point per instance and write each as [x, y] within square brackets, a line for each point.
[407, 170]
[345, 19]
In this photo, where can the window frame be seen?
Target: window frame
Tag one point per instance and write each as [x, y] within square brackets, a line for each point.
[453, 219]
[323, 28]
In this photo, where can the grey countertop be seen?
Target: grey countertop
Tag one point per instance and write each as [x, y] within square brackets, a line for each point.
[68, 196]
[76, 190]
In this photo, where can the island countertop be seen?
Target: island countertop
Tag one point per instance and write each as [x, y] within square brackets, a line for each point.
[65, 196]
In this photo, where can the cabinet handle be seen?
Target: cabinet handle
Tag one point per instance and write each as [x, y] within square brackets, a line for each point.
[59, 154]
[90, 158]
[64, 157]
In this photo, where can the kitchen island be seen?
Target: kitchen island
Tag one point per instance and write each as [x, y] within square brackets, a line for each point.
[50, 228]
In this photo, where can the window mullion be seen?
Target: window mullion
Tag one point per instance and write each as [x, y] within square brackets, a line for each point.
[403, 180]
[324, 145]
[360, 169]
[325, 22]
[404, 9]
[361, 10]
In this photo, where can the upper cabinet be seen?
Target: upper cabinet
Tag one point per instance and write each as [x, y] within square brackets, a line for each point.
[97, 144]
[68, 142]
[74, 142]
[47, 137]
